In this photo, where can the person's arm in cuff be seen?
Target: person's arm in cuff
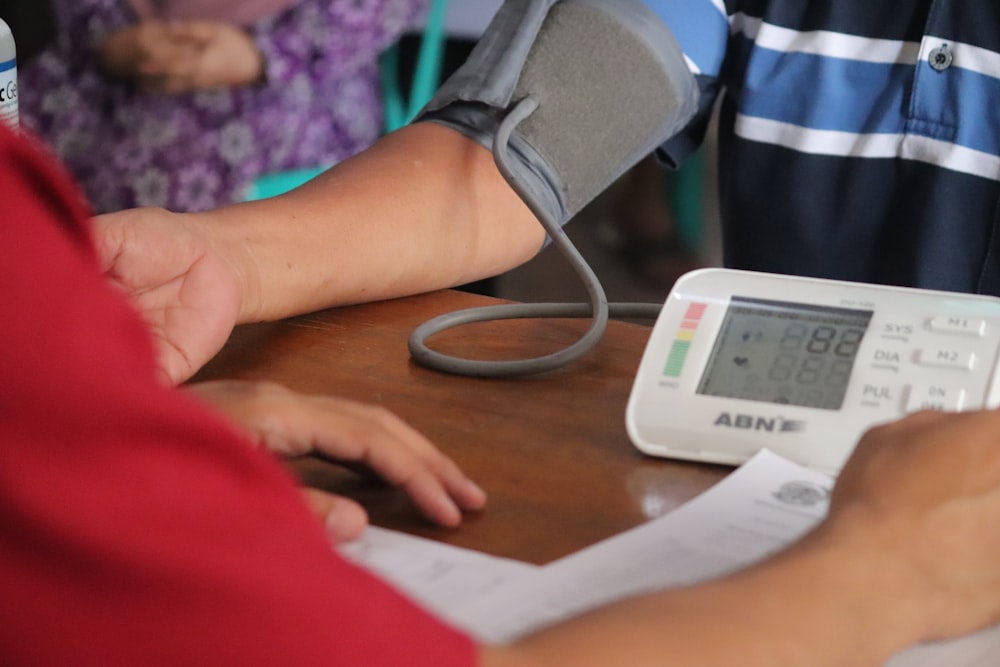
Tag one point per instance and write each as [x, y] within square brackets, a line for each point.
[424, 209]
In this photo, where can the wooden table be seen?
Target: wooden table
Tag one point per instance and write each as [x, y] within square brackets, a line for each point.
[551, 450]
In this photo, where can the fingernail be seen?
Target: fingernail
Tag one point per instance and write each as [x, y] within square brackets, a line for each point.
[476, 490]
[345, 522]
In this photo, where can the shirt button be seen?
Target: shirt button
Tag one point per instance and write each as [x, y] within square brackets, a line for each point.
[940, 58]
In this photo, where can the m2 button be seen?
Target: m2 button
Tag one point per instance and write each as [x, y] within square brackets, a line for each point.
[935, 397]
[945, 357]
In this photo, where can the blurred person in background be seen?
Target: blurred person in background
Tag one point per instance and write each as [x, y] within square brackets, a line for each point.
[183, 104]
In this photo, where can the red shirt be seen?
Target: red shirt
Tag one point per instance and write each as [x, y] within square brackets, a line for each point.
[136, 527]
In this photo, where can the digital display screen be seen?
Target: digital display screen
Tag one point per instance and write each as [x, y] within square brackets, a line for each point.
[785, 353]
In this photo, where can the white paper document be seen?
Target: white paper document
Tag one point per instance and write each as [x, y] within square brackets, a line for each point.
[438, 576]
[761, 507]
[756, 510]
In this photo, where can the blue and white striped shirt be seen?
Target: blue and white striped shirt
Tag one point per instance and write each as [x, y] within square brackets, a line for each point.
[858, 140]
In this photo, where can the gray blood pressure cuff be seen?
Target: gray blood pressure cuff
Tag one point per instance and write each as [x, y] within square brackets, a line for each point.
[611, 85]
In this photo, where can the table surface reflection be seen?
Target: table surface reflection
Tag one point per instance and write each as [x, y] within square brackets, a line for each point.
[551, 450]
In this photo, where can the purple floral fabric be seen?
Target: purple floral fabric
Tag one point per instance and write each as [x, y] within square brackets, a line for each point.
[319, 104]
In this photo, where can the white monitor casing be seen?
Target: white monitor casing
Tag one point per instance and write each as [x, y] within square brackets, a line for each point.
[919, 350]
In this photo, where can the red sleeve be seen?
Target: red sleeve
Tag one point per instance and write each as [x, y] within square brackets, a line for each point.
[136, 528]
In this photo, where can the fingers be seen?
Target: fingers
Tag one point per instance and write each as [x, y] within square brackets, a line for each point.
[196, 32]
[229, 58]
[186, 56]
[344, 519]
[352, 433]
[170, 69]
[403, 457]
[168, 55]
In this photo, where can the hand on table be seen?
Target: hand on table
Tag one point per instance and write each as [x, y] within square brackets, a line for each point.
[182, 56]
[355, 434]
[926, 489]
[909, 553]
[182, 285]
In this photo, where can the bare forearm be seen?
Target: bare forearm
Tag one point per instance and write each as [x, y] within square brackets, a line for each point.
[816, 606]
[424, 209]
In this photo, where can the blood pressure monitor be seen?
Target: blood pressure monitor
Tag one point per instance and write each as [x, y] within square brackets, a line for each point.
[738, 361]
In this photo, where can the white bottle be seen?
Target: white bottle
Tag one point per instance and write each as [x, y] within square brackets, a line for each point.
[8, 77]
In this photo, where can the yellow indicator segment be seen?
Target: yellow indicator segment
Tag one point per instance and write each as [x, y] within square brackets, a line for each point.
[682, 341]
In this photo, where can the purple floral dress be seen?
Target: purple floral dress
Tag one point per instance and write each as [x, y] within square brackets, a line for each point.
[320, 103]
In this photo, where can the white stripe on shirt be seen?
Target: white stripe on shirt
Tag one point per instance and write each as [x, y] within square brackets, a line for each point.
[966, 56]
[824, 42]
[847, 144]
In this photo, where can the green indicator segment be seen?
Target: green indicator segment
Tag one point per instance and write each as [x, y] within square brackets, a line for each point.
[675, 362]
[682, 343]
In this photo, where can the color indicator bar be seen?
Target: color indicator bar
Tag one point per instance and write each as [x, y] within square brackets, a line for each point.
[675, 362]
[695, 311]
[682, 341]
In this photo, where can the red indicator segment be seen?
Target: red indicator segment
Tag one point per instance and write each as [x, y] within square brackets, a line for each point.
[682, 341]
[695, 311]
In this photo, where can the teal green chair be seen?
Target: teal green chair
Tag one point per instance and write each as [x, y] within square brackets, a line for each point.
[397, 110]
[686, 192]
[426, 77]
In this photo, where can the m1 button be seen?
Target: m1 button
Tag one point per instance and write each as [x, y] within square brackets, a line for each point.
[962, 326]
